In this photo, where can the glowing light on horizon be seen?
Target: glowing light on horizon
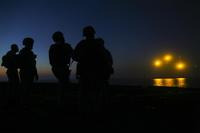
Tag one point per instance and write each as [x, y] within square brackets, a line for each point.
[167, 57]
[180, 66]
[167, 61]
[158, 63]
[158, 82]
[170, 82]
[181, 82]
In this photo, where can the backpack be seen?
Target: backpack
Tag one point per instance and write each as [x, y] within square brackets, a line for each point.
[93, 58]
[5, 61]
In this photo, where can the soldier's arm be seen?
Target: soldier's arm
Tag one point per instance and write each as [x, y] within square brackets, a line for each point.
[76, 52]
[50, 55]
[36, 74]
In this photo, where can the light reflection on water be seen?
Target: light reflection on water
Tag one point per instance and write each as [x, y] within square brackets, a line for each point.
[170, 82]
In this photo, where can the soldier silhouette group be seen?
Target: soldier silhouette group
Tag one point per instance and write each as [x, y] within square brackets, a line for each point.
[93, 71]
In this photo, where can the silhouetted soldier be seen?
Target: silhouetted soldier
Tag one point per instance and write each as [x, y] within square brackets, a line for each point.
[93, 69]
[10, 61]
[28, 70]
[60, 55]
[107, 71]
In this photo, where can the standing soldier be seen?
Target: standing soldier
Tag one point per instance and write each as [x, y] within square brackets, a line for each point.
[60, 55]
[28, 70]
[93, 68]
[10, 61]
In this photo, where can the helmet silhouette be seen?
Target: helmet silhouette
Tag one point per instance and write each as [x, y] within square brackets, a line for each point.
[28, 41]
[58, 36]
[14, 47]
[88, 30]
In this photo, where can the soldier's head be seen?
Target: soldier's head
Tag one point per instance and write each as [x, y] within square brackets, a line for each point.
[89, 32]
[28, 43]
[14, 48]
[58, 37]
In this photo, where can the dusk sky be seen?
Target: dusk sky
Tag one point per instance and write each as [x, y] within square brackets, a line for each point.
[134, 31]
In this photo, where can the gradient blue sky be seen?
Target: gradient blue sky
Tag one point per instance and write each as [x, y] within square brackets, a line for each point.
[134, 31]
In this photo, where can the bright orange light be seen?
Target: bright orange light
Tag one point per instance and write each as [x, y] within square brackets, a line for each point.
[168, 57]
[180, 66]
[158, 82]
[169, 82]
[157, 63]
[181, 82]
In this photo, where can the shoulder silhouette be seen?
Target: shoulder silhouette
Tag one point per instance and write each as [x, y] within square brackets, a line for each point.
[60, 52]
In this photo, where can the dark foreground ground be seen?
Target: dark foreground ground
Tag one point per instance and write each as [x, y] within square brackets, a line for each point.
[150, 109]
